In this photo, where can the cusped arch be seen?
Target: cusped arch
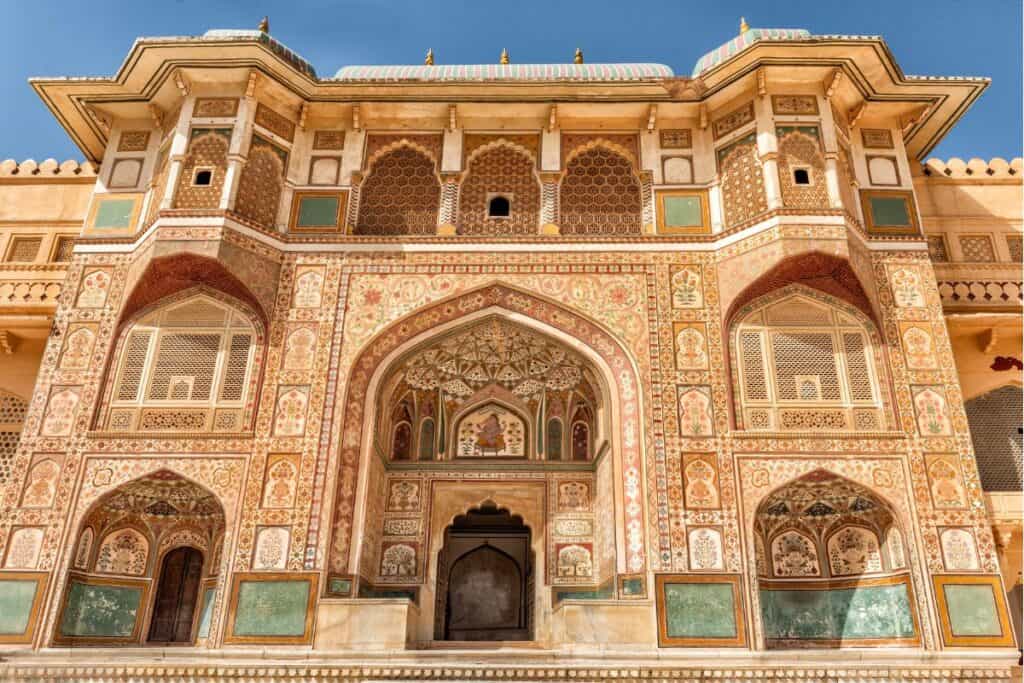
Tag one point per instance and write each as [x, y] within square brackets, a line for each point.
[505, 169]
[600, 191]
[863, 376]
[524, 307]
[401, 191]
[243, 343]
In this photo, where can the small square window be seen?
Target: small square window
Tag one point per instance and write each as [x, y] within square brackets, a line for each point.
[801, 176]
[499, 206]
[202, 177]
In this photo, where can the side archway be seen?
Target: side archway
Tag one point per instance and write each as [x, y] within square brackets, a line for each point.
[152, 572]
[832, 566]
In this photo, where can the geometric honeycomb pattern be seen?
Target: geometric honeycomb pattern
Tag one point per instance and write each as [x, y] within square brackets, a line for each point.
[600, 195]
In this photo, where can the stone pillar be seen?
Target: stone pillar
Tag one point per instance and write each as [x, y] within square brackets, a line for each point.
[549, 203]
[238, 148]
[828, 139]
[647, 201]
[715, 205]
[449, 203]
[179, 146]
[768, 151]
[352, 211]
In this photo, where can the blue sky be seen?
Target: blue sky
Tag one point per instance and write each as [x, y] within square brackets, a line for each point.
[928, 37]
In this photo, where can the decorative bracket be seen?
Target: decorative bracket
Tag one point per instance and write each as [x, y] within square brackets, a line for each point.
[553, 118]
[356, 123]
[652, 118]
[184, 87]
[833, 82]
[453, 120]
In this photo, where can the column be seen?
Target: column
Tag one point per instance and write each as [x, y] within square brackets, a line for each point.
[179, 146]
[449, 203]
[549, 202]
[768, 151]
[828, 138]
[241, 135]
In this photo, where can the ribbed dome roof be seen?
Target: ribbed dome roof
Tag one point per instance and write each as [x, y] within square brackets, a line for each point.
[742, 42]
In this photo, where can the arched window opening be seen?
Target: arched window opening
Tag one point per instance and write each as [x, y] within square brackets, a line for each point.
[554, 439]
[600, 195]
[427, 439]
[187, 366]
[581, 434]
[806, 364]
[153, 572]
[816, 539]
[401, 195]
[401, 436]
[499, 207]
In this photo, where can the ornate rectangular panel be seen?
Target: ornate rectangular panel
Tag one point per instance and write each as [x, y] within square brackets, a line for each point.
[890, 212]
[972, 611]
[21, 597]
[683, 212]
[318, 211]
[700, 611]
[273, 607]
[113, 215]
[98, 611]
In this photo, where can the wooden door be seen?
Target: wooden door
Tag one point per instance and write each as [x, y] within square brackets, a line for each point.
[176, 597]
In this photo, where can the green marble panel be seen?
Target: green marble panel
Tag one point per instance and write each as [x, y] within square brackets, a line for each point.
[317, 212]
[633, 586]
[683, 212]
[101, 611]
[339, 586]
[700, 610]
[272, 608]
[972, 610]
[114, 213]
[604, 592]
[16, 596]
[890, 211]
[869, 612]
[206, 613]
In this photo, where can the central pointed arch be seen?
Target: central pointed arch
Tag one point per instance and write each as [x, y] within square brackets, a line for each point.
[586, 336]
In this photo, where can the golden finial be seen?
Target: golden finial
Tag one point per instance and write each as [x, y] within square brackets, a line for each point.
[504, 56]
[429, 61]
[264, 25]
[743, 25]
[578, 57]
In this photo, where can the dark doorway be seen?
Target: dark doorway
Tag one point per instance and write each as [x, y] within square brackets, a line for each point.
[176, 595]
[485, 578]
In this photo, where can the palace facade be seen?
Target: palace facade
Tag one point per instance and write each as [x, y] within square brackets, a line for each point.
[505, 372]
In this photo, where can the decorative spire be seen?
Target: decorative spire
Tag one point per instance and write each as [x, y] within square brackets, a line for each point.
[578, 57]
[504, 57]
[264, 25]
[743, 25]
[429, 61]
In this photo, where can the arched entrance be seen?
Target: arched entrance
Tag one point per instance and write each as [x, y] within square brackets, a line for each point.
[145, 565]
[485, 578]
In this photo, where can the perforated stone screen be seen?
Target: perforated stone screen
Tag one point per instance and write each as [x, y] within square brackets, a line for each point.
[995, 421]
